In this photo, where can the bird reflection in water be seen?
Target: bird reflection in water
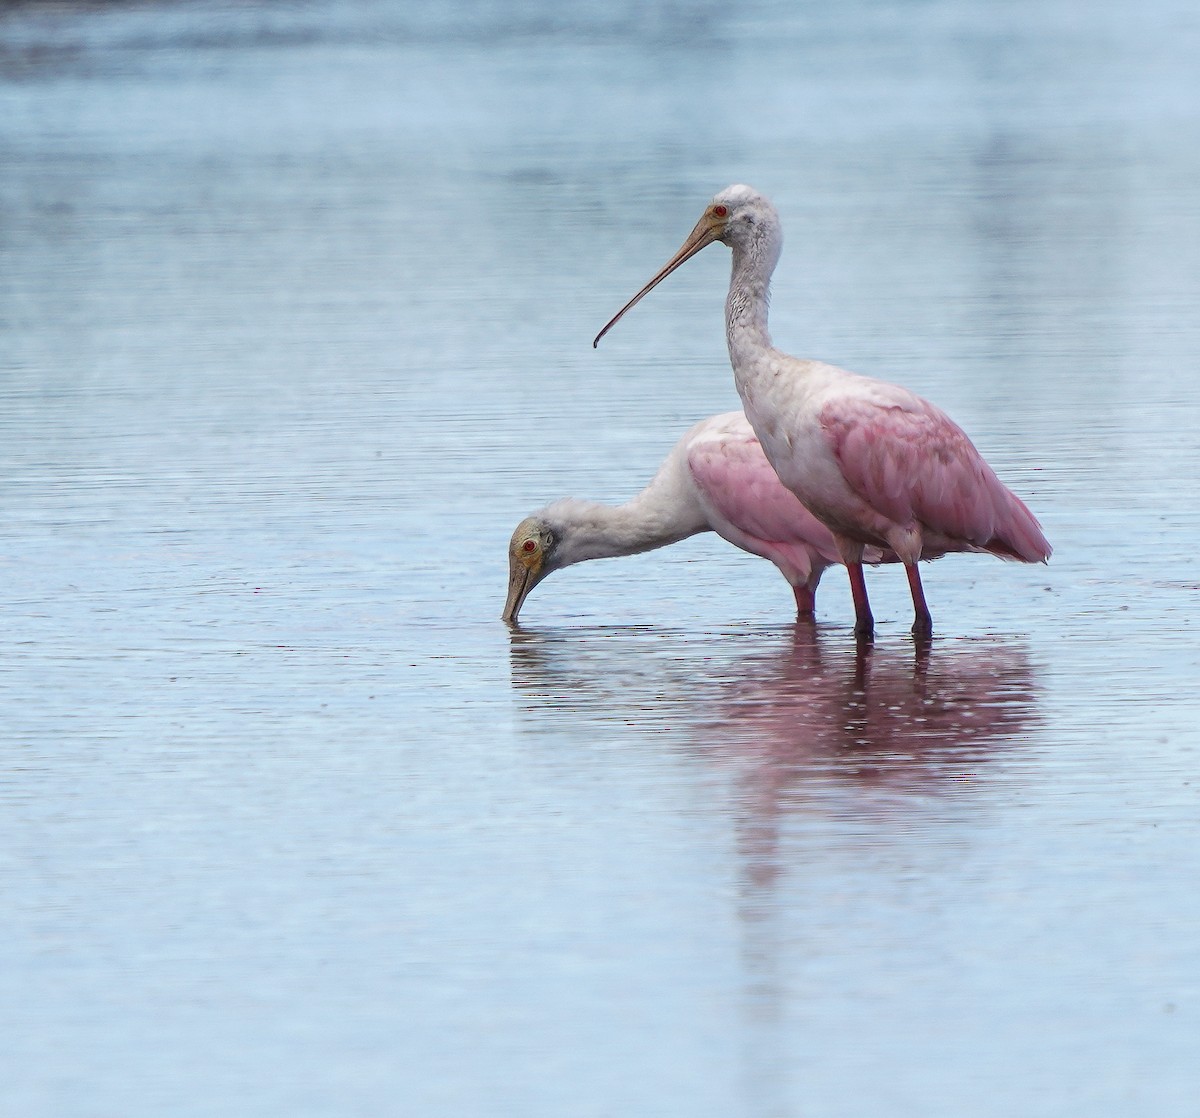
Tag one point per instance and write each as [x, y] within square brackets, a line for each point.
[796, 725]
[847, 769]
[779, 699]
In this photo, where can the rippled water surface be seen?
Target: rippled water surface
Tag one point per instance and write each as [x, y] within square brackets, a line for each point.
[296, 303]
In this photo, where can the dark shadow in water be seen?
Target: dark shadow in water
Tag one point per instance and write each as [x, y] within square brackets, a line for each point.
[823, 733]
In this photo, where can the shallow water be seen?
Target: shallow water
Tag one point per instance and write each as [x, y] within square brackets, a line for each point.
[296, 307]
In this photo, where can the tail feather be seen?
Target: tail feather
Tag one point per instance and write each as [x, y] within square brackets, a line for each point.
[1019, 535]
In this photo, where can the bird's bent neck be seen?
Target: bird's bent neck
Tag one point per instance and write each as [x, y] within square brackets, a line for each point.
[749, 298]
[665, 512]
[591, 530]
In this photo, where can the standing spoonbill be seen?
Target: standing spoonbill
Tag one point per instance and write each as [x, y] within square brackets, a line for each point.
[878, 465]
[716, 479]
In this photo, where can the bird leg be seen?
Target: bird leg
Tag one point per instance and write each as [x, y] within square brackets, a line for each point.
[922, 620]
[864, 622]
[807, 595]
[805, 602]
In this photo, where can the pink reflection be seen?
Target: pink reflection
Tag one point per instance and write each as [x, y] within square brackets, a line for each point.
[797, 721]
[841, 765]
[862, 734]
[902, 717]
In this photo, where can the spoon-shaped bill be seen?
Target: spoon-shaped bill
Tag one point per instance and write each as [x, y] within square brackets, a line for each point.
[708, 229]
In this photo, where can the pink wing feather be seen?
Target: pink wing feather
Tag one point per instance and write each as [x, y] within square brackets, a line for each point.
[755, 510]
[911, 462]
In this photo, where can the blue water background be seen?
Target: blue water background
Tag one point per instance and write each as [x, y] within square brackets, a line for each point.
[296, 304]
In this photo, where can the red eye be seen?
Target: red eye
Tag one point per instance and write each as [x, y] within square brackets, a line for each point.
[529, 545]
[720, 211]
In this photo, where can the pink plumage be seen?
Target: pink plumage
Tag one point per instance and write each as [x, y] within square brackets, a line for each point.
[747, 505]
[912, 463]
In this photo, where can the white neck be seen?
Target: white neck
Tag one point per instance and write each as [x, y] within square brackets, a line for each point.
[665, 512]
[749, 298]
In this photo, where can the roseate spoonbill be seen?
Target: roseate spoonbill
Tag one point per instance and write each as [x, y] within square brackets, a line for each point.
[874, 462]
[716, 479]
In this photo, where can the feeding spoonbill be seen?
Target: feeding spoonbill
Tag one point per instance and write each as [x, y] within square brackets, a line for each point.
[877, 464]
[715, 479]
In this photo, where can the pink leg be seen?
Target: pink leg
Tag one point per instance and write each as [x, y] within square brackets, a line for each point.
[805, 601]
[864, 623]
[922, 621]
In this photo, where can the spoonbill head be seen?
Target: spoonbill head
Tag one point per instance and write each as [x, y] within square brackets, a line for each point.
[739, 217]
[532, 555]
